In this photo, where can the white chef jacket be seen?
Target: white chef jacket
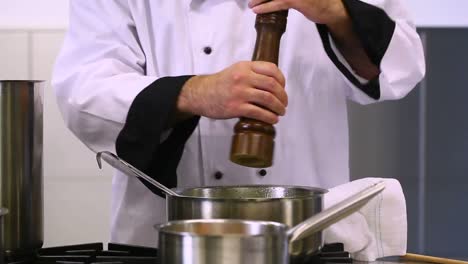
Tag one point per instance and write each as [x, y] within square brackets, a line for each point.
[115, 49]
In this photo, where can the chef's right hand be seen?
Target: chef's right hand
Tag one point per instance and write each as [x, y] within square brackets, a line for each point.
[252, 89]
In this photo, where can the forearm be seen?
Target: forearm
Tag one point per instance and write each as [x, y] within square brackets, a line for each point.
[182, 110]
[350, 46]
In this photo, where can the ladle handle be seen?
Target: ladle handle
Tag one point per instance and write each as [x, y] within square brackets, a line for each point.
[129, 170]
[335, 213]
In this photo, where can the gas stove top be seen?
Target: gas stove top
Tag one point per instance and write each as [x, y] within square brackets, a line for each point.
[126, 254]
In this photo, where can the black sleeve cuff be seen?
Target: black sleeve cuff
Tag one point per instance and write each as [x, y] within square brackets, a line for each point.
[139, 142]
[375, 30]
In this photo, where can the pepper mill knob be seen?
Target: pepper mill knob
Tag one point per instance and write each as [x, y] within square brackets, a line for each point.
[253, 143]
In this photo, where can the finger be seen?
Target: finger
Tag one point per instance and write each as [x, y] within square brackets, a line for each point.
[253, 3]
[269, 7]
[270, 84]
[258, 113]
[269, 69]
[266, 100]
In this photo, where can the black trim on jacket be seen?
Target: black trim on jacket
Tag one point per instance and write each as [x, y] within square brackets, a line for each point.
[139, 142]
[375, 30]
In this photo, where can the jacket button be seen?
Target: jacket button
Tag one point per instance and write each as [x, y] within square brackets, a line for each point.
[218, 175]
[207, 50]
[262, 173]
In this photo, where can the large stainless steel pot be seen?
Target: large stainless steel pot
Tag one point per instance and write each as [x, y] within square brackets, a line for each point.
[21, 184]
[232, 241]
[3, 212]
[289, 205]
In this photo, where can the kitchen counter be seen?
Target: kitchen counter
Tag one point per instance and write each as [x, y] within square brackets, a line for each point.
[397, 260]
[389, 261]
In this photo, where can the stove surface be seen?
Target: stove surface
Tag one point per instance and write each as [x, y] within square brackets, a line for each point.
[89, 253]
[94, 253]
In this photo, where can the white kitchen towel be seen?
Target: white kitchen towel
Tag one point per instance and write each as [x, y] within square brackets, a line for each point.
[378, 229]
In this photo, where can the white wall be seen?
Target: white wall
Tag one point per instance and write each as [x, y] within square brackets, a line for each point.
[76, 192]
[54, 13]
[34, 14]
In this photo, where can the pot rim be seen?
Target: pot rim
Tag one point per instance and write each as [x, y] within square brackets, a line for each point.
[280, 228]
[315, 192]
[3, 212]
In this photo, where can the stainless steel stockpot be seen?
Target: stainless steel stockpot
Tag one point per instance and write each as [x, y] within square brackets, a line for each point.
[289, 205]
[21, 170]
[3, 212]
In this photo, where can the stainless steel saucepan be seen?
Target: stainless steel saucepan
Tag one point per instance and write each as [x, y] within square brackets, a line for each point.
[230, 241]
[289, 205]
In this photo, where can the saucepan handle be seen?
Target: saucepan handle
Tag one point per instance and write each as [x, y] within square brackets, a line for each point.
[335, 213]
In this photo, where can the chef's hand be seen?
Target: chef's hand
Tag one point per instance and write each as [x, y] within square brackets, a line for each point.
[252, 89]
[318, 11]
[333, 14]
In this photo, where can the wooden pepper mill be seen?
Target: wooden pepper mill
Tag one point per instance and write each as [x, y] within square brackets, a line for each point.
[253, 140]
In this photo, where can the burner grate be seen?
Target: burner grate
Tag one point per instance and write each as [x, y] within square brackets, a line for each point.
[332, 253]
[94, 253]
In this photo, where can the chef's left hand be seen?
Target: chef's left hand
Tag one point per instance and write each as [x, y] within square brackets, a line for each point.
[333, 14]
[318, 11]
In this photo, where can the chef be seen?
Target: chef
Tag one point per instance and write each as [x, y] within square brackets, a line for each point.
[162, 83]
